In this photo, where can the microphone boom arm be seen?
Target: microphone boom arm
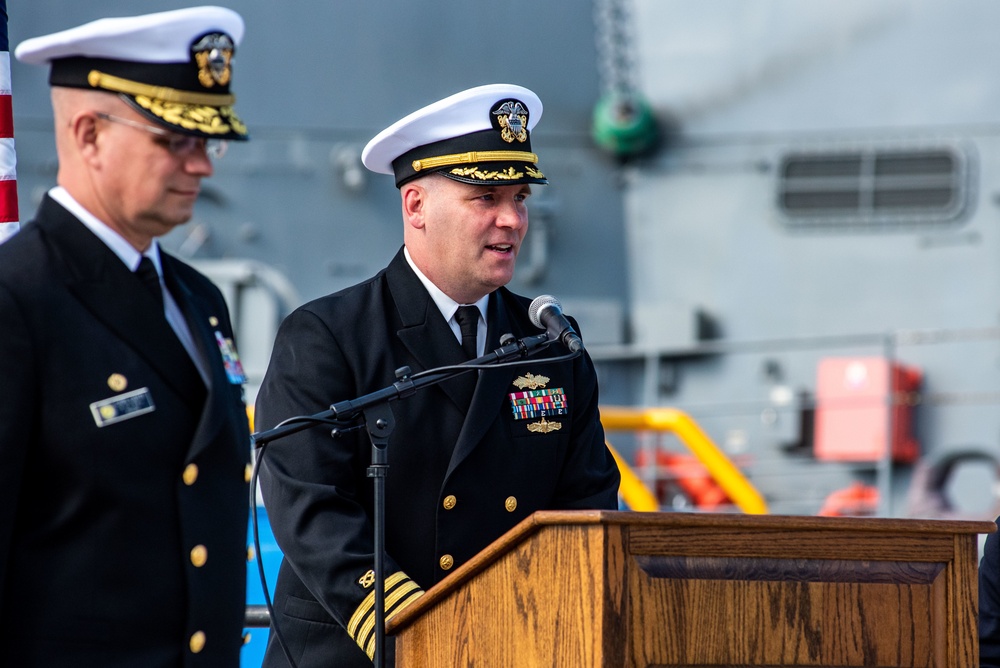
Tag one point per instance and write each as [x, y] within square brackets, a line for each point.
[404, 387]
[380, 422]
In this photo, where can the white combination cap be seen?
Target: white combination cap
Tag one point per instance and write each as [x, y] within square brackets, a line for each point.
[480, 135]
[173, 67]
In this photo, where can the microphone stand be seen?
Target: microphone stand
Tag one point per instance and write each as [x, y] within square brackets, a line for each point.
[380, 422]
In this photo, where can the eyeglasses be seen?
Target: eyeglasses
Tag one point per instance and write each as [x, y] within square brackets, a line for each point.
[179, 145]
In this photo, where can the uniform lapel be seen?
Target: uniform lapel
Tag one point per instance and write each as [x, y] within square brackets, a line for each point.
[430, 340]
[102, 282]
[197, 313]
[486, 402]
[424, 331]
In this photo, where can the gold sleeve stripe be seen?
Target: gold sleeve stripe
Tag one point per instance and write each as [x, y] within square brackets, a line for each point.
[404, 603]
[369, 603]
[362, 622]
[473, 156]
[403, 596]
[110, 82]
[391, 598]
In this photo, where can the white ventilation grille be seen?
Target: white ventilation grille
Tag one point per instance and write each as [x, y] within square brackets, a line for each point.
[874, 188]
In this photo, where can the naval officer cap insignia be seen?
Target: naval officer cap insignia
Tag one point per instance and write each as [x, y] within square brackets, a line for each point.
[481, 135]
[175, 68]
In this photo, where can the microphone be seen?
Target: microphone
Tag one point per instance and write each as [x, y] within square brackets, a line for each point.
[546, 312]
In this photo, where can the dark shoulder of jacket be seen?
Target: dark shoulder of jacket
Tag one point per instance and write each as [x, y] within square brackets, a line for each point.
[19, 255]
[517, 308]
[346, 300]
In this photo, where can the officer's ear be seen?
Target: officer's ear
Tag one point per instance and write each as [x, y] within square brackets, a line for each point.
[84, 131]
[414, 202]
[77, 124]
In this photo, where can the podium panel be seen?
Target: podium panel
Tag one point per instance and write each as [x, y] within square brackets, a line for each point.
[622, 590]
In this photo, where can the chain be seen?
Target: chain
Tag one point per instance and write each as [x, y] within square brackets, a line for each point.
[615, 60]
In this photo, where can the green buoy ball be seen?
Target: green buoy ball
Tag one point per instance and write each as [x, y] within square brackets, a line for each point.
[624, 125]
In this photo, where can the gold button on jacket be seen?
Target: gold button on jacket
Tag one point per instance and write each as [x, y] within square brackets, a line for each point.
[450, 501]
[199, 555]
[447, 562]
[510, 504]
[197, 642]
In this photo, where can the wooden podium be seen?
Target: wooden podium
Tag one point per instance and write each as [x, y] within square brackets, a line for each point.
[620, 590]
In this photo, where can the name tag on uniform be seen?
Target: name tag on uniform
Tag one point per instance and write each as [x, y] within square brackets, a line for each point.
[122, 407]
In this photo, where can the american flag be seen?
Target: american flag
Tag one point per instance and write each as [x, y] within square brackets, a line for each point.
[8, 159]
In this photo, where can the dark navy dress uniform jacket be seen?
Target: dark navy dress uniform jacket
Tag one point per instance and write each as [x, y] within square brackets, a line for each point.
[122, 544]
[454, 484]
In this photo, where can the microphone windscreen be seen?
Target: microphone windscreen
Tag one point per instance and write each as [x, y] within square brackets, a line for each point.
[537, 304]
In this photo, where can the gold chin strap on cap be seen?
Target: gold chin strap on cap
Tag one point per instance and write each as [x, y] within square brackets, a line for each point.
[473, 156]
[118, 85]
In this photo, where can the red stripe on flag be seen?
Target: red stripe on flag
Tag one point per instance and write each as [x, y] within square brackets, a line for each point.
[8, 201]
[6, 117]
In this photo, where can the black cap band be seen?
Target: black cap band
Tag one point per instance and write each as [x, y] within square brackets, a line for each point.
[500, 163]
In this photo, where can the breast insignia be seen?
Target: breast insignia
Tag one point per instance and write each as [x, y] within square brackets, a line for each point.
[530, 381]
[544, 427]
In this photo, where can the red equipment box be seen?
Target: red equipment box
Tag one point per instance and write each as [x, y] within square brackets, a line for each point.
[859, 401]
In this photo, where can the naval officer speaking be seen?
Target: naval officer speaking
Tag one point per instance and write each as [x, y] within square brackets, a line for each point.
[468, 460]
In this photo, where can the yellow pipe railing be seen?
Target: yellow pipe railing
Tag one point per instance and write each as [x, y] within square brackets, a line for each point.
[723, 471]
[635, 494]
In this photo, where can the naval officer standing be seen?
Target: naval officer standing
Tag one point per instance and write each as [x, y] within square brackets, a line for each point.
[468, 460]
[124, 443]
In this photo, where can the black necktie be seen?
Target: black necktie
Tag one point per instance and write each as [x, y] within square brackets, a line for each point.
[147, 274]
[467, 318]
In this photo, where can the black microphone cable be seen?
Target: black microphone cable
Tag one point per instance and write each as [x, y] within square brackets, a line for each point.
[258, 459]
[260, 558]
